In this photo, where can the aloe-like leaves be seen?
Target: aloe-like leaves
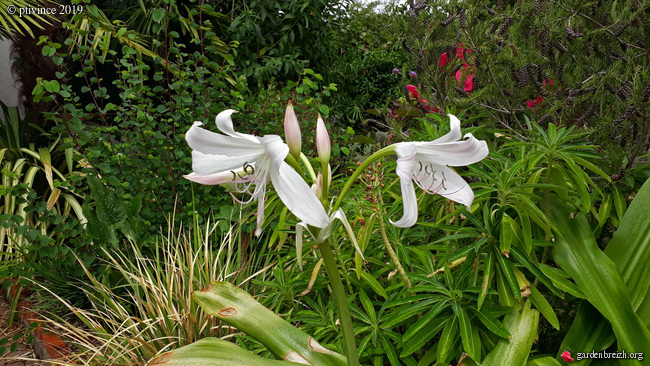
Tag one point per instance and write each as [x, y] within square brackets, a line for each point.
[236, 307]
[598, 278]
[522, 326]
[629, 249]
[214, 352]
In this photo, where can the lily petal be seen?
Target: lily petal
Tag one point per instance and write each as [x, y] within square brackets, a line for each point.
[447, 183]
[457, 153]
[209, 142]
[212, 179]
[224, 124]
[405, 166]
[454, 132]
[205, 164]
[298, 196]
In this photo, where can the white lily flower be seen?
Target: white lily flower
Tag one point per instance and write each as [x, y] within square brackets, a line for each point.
[428, 164]
[251, 160]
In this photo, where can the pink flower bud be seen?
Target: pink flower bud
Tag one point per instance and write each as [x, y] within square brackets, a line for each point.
[323, 145]
[292, 131]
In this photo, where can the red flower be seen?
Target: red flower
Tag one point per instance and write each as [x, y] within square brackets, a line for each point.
[442, 60]
[532, 103]
[413, 92]
[566, 356]
[460, 52]
[468, 84]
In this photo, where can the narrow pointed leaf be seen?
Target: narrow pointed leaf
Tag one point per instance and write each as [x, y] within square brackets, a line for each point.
[447, 338]
[543, 306]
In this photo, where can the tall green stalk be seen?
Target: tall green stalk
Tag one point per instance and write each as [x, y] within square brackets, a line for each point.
[341, 303]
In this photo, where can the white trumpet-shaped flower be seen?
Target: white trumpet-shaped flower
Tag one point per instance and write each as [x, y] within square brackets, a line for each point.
[250, 160]
[428, 164]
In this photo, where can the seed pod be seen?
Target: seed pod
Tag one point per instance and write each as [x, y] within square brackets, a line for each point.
[505, 26]
[610, 88]
[544, 119]
[477, 61]
[625, 90]
[448, 21]
[636, 4]
[462, 92]
[545, 42]
[461, 18]
[620, 175]
[477, 83]
[458, 34]
[646, 93]
[572, 34]
[629, 111]
[490, 11]
[523, 77]
[586, 115]
[515, 75]
[538, 6]
[619, 29]
[623, 45]
[494, 28]
[407, 94]
[559, 47]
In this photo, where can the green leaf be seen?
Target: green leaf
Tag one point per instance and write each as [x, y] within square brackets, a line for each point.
[596, 275]
[214, 352]
[158, 15]
[234, 306]
[374, 284]
[629, 248]
[522, 325]
[543, 361]
[509, 275]
[447, 338]
[324, 110]
[543, 306]
[425, 335]
[507, 234]
[539, 274]
[469, 335]
[423, 322]
[491, 322]
[488, 270]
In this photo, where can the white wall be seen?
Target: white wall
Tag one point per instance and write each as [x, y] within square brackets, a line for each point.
[8, 89]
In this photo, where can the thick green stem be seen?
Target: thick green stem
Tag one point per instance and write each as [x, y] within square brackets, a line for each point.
[294, 163]
[341, 303]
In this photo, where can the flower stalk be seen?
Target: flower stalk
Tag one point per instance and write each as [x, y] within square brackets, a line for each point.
[341, 300]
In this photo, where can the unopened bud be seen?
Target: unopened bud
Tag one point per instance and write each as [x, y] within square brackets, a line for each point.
[323, 145]
[292, 131]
